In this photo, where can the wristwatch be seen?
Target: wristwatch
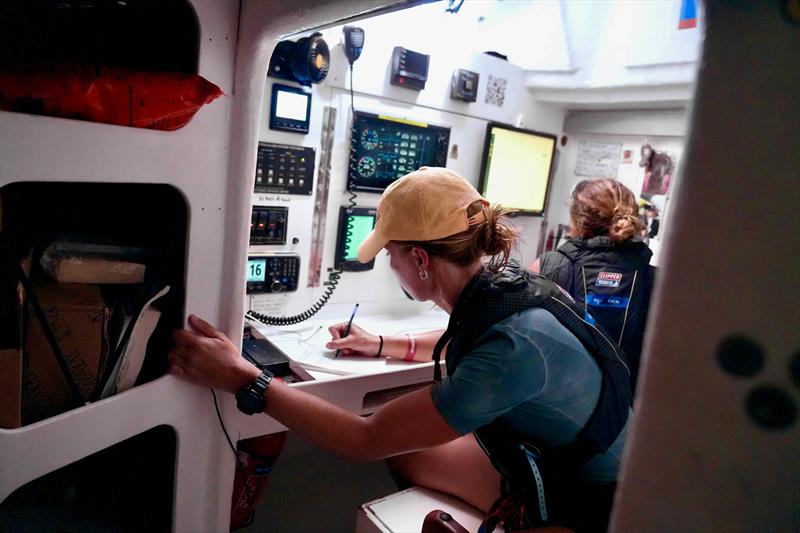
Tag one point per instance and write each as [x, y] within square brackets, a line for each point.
[252, 399]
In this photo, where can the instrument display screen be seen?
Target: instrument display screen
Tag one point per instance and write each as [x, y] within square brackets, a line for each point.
[384, 149]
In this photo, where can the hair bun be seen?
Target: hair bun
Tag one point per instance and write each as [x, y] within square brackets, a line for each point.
[624, 227]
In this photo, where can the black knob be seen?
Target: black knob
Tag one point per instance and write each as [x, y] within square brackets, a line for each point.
[445, 517]
[277, 286]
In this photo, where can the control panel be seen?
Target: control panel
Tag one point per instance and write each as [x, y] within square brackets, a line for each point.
[272, 273]
[284, 169]
[268, 225]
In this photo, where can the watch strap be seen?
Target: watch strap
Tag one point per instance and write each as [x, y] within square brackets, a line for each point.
[252, 399]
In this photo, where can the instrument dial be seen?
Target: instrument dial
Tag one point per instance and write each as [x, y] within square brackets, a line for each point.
[366, 166]
[369, 139]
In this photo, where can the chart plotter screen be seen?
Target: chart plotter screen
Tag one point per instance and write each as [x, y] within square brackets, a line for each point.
[384, 148]
[516, 168]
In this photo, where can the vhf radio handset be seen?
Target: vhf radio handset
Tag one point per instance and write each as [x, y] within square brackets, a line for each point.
[353, 43]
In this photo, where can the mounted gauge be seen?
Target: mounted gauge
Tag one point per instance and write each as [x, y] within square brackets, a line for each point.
[366, 167]
[369, 139]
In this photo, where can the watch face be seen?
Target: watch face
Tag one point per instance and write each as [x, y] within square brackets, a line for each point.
[249, 402]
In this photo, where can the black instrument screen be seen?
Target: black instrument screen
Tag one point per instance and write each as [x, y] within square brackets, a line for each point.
[383, 149]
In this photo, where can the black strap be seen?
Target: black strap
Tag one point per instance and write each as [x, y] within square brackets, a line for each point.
[437, 354]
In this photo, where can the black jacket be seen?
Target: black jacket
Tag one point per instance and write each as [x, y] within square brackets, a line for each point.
[611, 283]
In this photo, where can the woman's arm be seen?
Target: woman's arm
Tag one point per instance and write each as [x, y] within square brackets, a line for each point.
[412, 422]
[555, 266]
[406, 424]
[360, 342]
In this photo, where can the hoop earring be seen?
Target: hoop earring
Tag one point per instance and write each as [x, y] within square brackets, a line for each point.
[423, 274]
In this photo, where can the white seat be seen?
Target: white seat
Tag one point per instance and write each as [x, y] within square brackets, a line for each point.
[403, 512]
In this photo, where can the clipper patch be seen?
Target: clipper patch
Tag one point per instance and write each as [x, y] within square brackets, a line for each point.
[608, 279]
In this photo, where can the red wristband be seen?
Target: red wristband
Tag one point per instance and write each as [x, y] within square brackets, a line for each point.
[412, 348]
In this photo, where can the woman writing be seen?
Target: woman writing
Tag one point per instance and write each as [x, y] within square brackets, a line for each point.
[605, 265]
[522, 377]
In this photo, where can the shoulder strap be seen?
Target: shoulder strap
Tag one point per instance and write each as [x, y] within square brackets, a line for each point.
[437, 353]
[559, 267]
[628, 305]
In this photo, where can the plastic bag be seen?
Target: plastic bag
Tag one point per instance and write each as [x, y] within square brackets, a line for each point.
[154, 100]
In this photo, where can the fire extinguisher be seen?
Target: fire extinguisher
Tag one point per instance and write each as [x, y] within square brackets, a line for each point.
[550, 241]
[256, 459]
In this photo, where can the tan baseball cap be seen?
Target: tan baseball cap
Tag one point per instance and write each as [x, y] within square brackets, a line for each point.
[425, 205]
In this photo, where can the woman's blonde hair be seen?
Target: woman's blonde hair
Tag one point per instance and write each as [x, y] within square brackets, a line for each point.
[604, 207]
[492, 238]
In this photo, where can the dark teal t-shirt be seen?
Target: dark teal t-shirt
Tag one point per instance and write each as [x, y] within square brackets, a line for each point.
[533, 374]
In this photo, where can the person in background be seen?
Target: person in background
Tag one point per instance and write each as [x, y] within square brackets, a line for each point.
[651, 215]
[545, 393]
[605, 265]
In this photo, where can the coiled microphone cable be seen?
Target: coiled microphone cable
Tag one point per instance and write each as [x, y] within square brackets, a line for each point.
[334, 275]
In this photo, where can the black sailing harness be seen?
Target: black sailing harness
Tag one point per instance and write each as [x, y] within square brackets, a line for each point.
[612, 284]
[534, 476]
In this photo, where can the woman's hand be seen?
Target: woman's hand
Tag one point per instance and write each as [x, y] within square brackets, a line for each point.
[207, 357]
[357, 342]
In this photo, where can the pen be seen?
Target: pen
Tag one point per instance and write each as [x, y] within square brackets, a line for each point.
[347, 329]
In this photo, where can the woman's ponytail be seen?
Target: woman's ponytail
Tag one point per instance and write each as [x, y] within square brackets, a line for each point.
[490, 237]
[604, 207]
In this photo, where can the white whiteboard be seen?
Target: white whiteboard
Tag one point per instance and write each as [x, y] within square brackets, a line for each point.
[598, 159]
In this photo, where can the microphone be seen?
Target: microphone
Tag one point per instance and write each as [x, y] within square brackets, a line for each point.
[353, 43]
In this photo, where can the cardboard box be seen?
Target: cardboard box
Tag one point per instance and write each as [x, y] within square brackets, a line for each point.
[11, 385]
[79, 319]
[11, 333]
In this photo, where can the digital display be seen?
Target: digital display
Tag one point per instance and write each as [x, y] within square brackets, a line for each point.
[415, 63]
[516, 168]
[290, 110]
[292, 105]
[355, 224]
[256, 270]
[359, 227]
[277, 272]
[384, 149]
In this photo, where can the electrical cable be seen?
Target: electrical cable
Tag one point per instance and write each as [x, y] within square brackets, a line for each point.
[352, 104]
[351, 178]
[351, 200]
[224, 430]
